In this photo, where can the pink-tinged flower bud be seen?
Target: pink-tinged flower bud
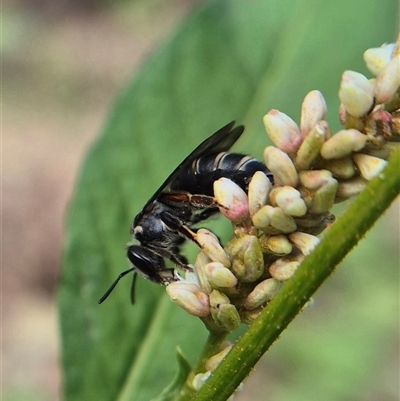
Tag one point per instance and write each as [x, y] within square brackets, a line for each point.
[283, 269]
[305, 242]
[200, 379]
[311, 146]
[313, 110]
[262, 293]
[289, 200]
[349, 188]
[283, 131]
[388, 81]
[189, 297]
[275, 244]
[211, 247]
[340, 168]
[343, 144]
[281, 166]
[356, 93]
[232, 198]
[216, 359]
[247, 258]
[224, 314]
[259, 188]
[369, 166]
[377, 58]
[314, 179]
[219, 276]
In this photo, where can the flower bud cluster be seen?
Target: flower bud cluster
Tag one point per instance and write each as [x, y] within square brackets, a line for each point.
[275, 225]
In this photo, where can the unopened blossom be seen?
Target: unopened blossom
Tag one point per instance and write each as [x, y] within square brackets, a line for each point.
[219, 275]
[189, 297]
[216, 359]
[369, 166]
[224, 314]
[289, 200]
[311, 146]
[247, 258]
[356, 93]
[211, 247]
[376, 58]
[340, 168]
[259, 189]
[343, 143]
[262, 293]
[303, 241]
[388, 81]
[281, 166]
[282, 130]
[283, 269]
[275, 244]
[200, 379]
[232, 198]
[313, 110]
[349, 188]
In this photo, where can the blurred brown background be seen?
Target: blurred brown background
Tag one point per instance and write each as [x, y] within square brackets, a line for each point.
[63, 63]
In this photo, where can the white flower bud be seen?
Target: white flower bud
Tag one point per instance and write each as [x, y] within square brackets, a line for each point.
[377, 58]
[356, 93]
[305, 242]
[275, 244]
[189, 297]
[314, 179]
[313, 110]
[388, 81]
[200, 379]
[211, 247]
[282, 130]
[259, 188]
[343, 144]
[219, 275]
[282, 269]
[289, 200]
[262, 293]
[281, 166]
[311, 146]
[369, 166]
[232, 198]
[216, 359]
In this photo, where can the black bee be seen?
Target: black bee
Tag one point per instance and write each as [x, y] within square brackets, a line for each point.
[185, 198]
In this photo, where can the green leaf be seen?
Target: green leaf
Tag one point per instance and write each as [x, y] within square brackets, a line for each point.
[228, 60]
[173, 390]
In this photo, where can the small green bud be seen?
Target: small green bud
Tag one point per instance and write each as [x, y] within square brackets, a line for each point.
[247, 257]
[262, 293]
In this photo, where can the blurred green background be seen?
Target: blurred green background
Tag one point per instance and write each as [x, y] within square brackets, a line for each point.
[63, 64]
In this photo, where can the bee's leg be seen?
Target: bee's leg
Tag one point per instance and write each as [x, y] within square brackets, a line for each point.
[194, 200]
[204, 215]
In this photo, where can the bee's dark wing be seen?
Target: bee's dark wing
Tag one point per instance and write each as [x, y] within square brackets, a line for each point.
[220, 141]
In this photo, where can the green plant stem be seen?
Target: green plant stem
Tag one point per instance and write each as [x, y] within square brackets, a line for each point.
[338, 241]
[211, 348]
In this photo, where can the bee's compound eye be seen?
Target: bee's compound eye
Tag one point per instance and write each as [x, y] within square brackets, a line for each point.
[147, 262]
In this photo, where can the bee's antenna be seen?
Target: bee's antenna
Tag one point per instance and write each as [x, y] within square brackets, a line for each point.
[112, 286]
[133, 288]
